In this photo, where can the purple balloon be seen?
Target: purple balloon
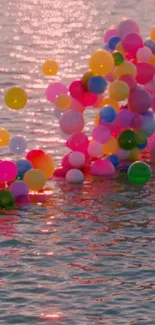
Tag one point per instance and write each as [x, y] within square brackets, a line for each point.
[19, 189]
[139, 100]
[125, 117]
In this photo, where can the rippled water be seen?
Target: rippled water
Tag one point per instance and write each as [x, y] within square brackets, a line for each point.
[87, 255]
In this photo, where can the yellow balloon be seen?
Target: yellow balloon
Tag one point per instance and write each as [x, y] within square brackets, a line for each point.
[16, 98]
[97, 117]
[126, 68]
[63, 102]
[101, 62]
[111, 102]
[50, 68]
[111, 146]
[34, 179]
[119, 90]
[120, 49]
[4, 137]
[152, 34]
[134, 154]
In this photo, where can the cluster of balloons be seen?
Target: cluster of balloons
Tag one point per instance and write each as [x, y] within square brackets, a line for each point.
[119, 85]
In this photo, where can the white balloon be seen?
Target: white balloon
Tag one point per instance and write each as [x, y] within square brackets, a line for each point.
[77, 159]
[74, 176]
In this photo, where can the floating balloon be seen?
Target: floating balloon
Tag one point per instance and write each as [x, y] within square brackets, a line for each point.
[95, 149]
[127, 140]
[18, 145]
[111, 146]
[4, 137]
[8, 171]
[23, 165]
[114, 159]
[16, 98]
[85, 78]
[50, 68]
[131, 43]
[109, 33]
[144, 54]
[139, 173]
[127, 26]
[76, 159]
[101, 134]
[139, 100]
[55, 89]
[118, 58]
[111, 102]
[113, 41]
[34, 179]
[71, 122]
[107, 114]
[78, 142]
[74, 176]
[119, 90]
[102, 168]
[63, 102]
[19, 189]
[97, 84]
[101, 62]
[6, 200]
[145, 72]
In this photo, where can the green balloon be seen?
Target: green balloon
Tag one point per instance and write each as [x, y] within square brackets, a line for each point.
[139, 172]
[7, 200]
[118, 57]
[127, 140]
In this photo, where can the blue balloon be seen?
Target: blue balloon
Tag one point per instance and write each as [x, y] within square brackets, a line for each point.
[107, 114]
[113, 42]
[23, 166]
[142, 146]
[97, 84]
[114, 160]
[149, 43]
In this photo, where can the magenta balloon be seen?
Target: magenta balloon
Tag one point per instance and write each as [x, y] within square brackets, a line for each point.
[137, 121]
[78, 142]
[109, 33]
[76, 89]
[65, 162]
[145, 72]
[55, 89]
[60, 172]
[102, 168]
[101, 134]
[8, 171]
[139, 100]
[71, 122]
[88, 99]
[131, 43]
[131, 81]
[125, 117]
[127, 26]
[18, 189]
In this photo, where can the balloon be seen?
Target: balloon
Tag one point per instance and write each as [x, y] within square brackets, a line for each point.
[77, 106]
[44, 163]
[74, 176]
[34, 179]
[130, 81]
[16, 98]
[78, 142]
[101, 62]
[150, 44]
[55, 89]
[127, 26]
[141, 137]
[19, 189]
[120, 49]
[126, 68]
[148, 125]
[97, 84]
[107, 114]
[144, 54]
[71, 122]
[114, 159]
[63, 102]
[76, 159]
[85, 78]
[76, 89]
[101, 134]
[88, 99]
[18, 145]
[152, 33]
[102, 168]
[131, 43]
[145, 72]
[34, 154]
[50, 68]
[139, 173]
[6, 200]
[111, 146]
[23, 166]
[109, 33]
[118, 58]
[119, 90]
[95, 149]
[8, 171]
[127, 139]
[139, 100]
[4, 137]
[113, 41]
[60, 172]
[125, 118]
[137, 121]
[111, 102]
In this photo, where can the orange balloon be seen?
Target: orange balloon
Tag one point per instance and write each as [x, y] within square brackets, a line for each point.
[50, 68]
[111, 146]
[101, 62]
[111, 102]
[97, 117]
[63, 102]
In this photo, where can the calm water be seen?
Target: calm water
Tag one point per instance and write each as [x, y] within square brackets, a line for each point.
[87, 255]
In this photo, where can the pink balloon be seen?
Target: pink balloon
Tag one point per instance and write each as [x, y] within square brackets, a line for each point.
[109, 33]
[8, 171]
[76, 89]
[71, 122]
[145, 72]
[101, 134]
[125, 117]
[88, 99]
[139, 100]
[76, 105]
[144, 54]
[102, 168]
[131, 43]
[65, 162]
[131, 81]
[127, 26]
[55, 89]
[78, 142]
